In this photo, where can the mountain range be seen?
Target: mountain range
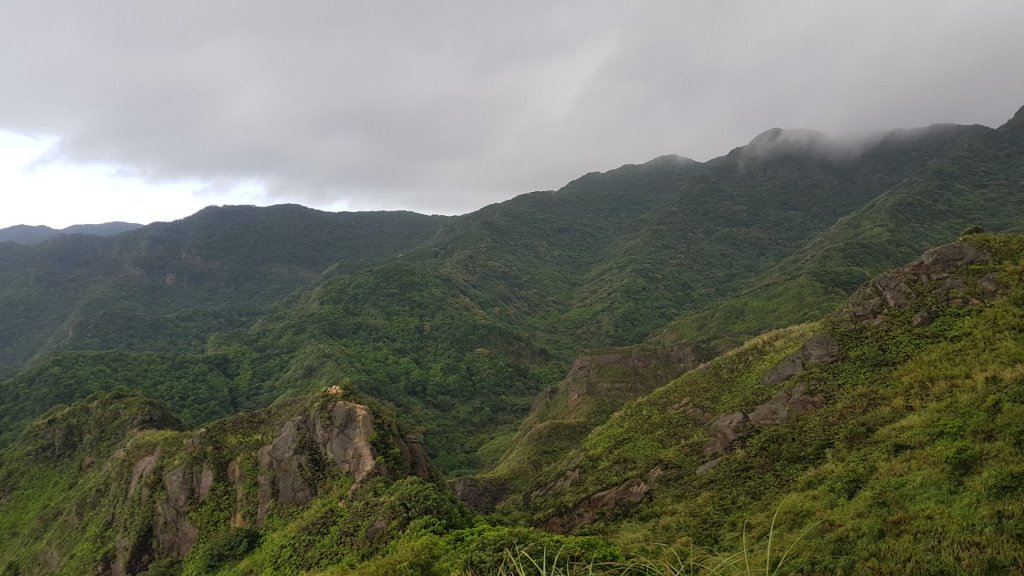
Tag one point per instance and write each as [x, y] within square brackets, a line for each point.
[24, 234]
[669, 352]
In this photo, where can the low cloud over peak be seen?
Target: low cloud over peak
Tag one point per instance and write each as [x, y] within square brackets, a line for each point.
[445, 107]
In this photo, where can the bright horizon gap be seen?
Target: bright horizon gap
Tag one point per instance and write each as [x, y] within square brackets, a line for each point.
[99, 194]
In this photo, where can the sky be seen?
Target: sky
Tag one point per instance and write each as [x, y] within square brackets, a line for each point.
[144, 111]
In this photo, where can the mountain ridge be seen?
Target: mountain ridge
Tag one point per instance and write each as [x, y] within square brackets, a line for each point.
[27, 234]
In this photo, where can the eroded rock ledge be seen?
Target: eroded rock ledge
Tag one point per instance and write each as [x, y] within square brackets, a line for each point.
[316, 444]
[729, 430]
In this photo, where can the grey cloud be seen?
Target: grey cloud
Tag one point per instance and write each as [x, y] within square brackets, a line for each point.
[446, 106]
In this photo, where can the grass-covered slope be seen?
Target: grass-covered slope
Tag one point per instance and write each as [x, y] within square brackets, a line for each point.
[891, 431]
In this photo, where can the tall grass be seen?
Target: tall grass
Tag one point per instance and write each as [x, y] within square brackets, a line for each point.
[761, 558]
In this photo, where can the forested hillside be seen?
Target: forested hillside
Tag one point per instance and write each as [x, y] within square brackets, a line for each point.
[168, 286]
[883, 439]
[263, 387]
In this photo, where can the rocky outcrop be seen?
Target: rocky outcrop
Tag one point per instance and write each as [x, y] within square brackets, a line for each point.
[632, 490]
[785, 404]
[563, 482]
[283, 464]
[414, 455]
[341, 436]
[143, 468]
[948, 258]
[482, 494]
[307, 448]
[939, 275]
[597, 384]
[175, 534]
[728, 432]
[820, 349]
[345, 438]
[237, 478]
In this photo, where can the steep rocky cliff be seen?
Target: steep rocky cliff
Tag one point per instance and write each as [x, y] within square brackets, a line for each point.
[136, 490]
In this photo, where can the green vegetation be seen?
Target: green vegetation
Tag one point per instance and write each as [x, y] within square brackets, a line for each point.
[907, 468]
[168, 286]
[635, 373]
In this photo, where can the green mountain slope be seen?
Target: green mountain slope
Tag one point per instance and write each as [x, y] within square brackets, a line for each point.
[889, 422]
[463, 331]
[479, 312]
[111, 486]
[23, 234]
[978, 183]
[890, 430]
[167, 286]
[884, 439]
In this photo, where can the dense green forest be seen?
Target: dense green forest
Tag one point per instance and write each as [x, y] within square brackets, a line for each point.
[670, 362]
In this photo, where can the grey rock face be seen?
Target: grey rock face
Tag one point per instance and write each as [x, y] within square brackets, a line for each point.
[786, 403]
[346, 439]
[726, 433]
[143, 468]
[940, 270]
[923, 319]
[479, 494]
[636, 371]
[820, 349]
[632, 490]
[282, 460]
[949, 258]
[175, 535]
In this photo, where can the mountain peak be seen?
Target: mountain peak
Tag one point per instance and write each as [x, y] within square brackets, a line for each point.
[782, 135]
[1017, 121]
[778, 140]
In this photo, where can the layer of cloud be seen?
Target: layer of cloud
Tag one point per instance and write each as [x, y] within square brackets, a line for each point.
[447, 106]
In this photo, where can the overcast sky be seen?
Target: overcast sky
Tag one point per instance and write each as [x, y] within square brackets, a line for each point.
[142, 111]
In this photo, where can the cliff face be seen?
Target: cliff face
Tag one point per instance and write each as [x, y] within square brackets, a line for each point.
[155, 493]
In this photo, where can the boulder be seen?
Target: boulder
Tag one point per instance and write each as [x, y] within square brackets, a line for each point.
[786, 403]
[726, 434]
[948, 258]
[819, 349]
[479, 493]
[632, 490]
[924, 318]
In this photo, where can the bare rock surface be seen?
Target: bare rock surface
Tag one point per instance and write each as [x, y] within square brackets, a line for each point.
[237, 478]
[726, 433]
[283, 461]
[624, 374]
[144, 467]
[949, 258]
[345, 438]
[786, 403]
[729, 431]
[632, 490]
[820, 349]
[481, 494]
[941, 270]
[175, 534]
